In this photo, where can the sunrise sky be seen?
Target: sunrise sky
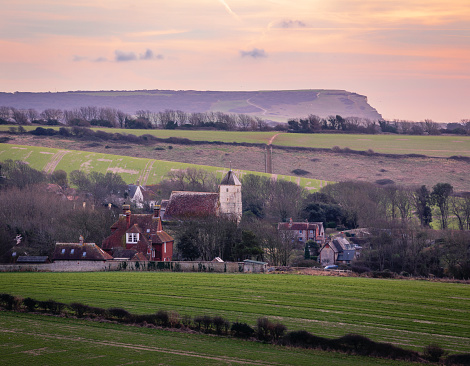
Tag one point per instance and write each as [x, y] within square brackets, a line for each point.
[410, 58]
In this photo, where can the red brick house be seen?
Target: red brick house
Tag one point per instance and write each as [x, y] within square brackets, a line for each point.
[304, 231]
[142, 233]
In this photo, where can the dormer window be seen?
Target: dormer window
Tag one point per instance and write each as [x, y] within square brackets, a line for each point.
[132, 237]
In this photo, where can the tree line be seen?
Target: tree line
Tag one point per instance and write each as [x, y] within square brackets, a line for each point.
[336, 123]
[176, 119]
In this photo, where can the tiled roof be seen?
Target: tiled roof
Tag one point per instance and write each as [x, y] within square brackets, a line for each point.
[77, 251]
[299, 225]
[183, 205]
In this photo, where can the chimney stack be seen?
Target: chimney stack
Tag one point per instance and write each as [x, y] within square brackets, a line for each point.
[156, 211]
[126, 209]
[80, 240]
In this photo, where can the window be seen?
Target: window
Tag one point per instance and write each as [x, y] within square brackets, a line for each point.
[84, 254]
[300, 231]
[132, 237]
[164, 248]
[63, 251]
[300, 238]
[72, 251]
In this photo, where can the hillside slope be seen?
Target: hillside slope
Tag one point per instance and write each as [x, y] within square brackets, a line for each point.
[275, 105]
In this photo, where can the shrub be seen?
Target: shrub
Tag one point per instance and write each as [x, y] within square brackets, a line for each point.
[54, 307]
[359, 269]
[454, 360]
[79, 309]
[118, 313]
[198, 322]
[187, 321]
[384, 182]
[162, 318]
[218, 322]
[174, 319]
[263, 325]
[7, 300]
[207, 322]
[433, 352]
[242, 330]
[30, 303]
[300, 172]
[277, 330]
[304, 339]
[98, 311]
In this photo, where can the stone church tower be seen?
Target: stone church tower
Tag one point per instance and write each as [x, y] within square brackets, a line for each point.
[230, 196]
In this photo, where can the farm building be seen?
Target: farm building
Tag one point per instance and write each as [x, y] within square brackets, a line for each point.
[141, 233]
[184, 205]
[79, 252]
[337, 251]
[301, 232]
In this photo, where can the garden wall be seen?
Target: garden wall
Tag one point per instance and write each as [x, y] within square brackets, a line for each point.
[97, 266]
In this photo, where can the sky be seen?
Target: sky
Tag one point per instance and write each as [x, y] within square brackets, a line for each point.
[410, 58]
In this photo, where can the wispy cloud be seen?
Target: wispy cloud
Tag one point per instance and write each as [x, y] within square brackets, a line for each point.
[254, 53]
[229, 10]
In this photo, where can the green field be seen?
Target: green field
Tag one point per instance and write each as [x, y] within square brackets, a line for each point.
[411, 314]
[43, 340]
[146, 171]
[440, 146]
[444, 146]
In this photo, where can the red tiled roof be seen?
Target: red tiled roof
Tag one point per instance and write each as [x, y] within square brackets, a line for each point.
[298, 225]
[183, 205]
[77, 251]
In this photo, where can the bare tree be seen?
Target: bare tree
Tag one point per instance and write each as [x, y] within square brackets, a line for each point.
[32, 114]
[5, 113]
[52, 114]
[19, 116]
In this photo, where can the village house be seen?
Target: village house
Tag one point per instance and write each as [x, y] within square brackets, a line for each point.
[140, 195]
[301, 232]
[79, 252]
[185, 205]
[337, 251]
[140, 233]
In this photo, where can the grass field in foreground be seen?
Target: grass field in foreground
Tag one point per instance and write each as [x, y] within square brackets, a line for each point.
[411, 314]
[43, 340]
[442, 146]
[146, 171]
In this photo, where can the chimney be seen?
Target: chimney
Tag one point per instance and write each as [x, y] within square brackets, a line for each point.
[128, 219]
[156, 211]
[125, 208]
[290, 222]
[80, 240]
